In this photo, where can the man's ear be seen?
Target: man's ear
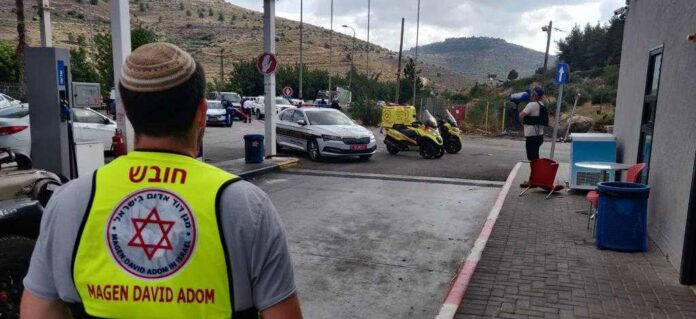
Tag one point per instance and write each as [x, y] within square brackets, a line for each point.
[201, 113]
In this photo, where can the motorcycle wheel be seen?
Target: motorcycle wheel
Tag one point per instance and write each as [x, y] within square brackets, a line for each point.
[14, 263]
[428, 149]
[441, 151]
[452, 145]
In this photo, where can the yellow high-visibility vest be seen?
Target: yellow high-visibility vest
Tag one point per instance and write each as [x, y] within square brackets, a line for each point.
[151, 243]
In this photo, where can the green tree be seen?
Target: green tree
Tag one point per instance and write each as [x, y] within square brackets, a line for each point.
[181, 6]
[9, 68]
[513, 75]
[245, 79]
[221, 16]
[188, 13]
[406, 85]
[210, 12]
[594, 46]
[103, 57]
[142, 7]
[82, 69]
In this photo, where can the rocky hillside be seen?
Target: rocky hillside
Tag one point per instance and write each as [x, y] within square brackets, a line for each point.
[476, 57]
[205, 27]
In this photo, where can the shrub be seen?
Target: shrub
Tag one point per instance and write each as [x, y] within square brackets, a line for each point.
[366, 112]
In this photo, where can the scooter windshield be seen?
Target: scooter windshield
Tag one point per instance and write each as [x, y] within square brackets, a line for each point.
[429, 120]
[451, 120]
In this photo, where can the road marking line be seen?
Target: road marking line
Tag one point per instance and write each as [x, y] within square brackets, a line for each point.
[466, 272]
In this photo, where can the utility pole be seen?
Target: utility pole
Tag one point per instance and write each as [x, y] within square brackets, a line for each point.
[398, 71]
[367, 65]
[299, 94]
[331, 49]
[352, 58]
[121, 48]
[45, 25]
[222, 67]
[415, 62]
[546, 29]
[269, 80]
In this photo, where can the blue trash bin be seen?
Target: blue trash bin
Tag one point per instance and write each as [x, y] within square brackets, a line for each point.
[622, 216]
[253, 148]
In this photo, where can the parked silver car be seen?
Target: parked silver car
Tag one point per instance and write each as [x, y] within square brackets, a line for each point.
[323, 132]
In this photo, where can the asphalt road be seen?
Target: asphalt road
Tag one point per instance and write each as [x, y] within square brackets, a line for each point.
[481, 158]
[372, 248]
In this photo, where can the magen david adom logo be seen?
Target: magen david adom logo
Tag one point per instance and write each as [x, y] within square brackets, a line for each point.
[151, 233]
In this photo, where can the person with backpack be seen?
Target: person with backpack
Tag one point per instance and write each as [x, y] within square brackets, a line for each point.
[534, 117]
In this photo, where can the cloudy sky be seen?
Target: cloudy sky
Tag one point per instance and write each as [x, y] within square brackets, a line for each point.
[517, 21]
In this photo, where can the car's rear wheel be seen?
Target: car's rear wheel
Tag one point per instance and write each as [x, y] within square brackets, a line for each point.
[313, 150]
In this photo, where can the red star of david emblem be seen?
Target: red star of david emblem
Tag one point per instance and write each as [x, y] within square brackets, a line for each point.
[149, 248]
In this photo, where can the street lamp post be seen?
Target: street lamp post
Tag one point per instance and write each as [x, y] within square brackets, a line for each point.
[415, 62]
[331, 49]
[547, 29]
[299, 93]
[367, 65]
[352, 58]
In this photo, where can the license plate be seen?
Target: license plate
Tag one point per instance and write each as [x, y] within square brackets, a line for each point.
[358, 147]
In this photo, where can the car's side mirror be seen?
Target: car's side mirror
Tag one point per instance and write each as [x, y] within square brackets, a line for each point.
[302, 122]
[106, 121]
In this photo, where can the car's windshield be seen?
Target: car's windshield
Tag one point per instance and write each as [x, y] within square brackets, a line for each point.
[428, 119]
[281, 100]
[451, 120]
[214, 105]
[328, 118]
[14, 112]
[232, 97]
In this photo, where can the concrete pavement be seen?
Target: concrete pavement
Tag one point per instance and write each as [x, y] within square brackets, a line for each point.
[374, 248]
[541, 262]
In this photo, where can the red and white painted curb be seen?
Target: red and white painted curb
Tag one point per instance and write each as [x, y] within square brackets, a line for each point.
[461, 282]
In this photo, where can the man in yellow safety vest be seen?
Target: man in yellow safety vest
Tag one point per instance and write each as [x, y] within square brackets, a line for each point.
[156, 233]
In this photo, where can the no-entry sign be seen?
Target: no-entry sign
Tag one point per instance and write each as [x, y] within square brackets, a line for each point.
[267, 63]
[287, 91]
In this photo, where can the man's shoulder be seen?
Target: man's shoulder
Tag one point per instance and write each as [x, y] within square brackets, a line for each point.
[77, 188]
[244, 203]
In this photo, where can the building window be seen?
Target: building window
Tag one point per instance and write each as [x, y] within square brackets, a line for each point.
[647, 125]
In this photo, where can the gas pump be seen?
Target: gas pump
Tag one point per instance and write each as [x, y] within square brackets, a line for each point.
[48, 83]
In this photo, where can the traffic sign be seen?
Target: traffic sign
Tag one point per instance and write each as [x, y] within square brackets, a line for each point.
[267, 63]
[287, 91]
[562, 73]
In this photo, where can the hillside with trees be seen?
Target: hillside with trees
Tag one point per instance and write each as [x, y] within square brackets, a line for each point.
[213, 31]
[477, 57]
[593, 53]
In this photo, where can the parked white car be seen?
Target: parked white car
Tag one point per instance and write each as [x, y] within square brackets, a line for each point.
[323, 132]
[216, 113]
[260, 108]
[6, 101]
[88, 125]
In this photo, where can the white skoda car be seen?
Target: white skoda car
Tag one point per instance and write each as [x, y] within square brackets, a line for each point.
[323, 132]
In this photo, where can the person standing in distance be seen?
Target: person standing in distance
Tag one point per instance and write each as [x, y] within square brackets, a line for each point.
[156, 233]
[247, 106]
[532, 117]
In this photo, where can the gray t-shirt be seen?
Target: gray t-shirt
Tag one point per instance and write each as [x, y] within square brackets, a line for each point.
[261, 264]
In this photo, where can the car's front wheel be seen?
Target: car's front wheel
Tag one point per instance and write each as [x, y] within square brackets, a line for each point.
[313, 150]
